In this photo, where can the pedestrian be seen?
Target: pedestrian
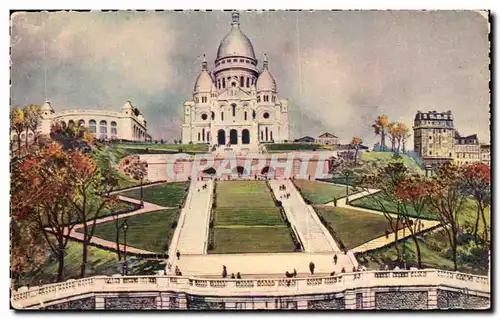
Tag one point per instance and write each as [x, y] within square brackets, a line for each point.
[335, 202]
[224, 272]
[343, 270]
[232, 276]
[238, 275]
[335, 259]
[294, 272]
[311, 267]
[178, 255]
[387, 234]
[332, 273]
[353, 269]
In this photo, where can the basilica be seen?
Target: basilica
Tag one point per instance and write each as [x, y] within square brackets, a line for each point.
[236, 103]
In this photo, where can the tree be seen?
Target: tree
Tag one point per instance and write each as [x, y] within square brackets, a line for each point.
[356, 142]
[447, 199]
[392, 132]
[380, 128]
[72, 137]
[93, 186]
[386, 180]
[413, 192]
[138, 170]
[405, 135]
[17, 124]
[33, 117]
[477, 184]
[46, 174]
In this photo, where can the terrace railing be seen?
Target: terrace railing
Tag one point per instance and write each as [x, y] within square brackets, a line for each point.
[36, 296]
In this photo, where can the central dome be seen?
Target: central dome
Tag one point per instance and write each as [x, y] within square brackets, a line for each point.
[235, 43]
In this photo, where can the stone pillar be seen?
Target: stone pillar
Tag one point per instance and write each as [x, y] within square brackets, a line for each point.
[368, 299]
[99, 303]
[302, 305]
[432, 298]
[349, 300]
[182, 302]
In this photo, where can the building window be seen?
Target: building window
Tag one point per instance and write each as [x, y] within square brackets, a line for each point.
[233, 84]
[81, 123]
[234, 109]
[245, 115]
[203, 134]
[224, 83]
[258, 99]
[271, 135]
[242, 81]
[248, 82]
[198, 136]
[430, 137]
[92, 126]
[204, 117]
[114, 129]
[103, 129]
[222, 116]
[223, 62]
[261, 135]
[242, 61]
[430, 152]
[266, 115]
[235, 60]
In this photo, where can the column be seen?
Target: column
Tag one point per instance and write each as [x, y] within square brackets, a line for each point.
[432, 298]
[302, 305]
[99, 303]
[349, 300]
[368, 299]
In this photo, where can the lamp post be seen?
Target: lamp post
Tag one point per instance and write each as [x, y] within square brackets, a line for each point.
[124, 267]
[404, 243]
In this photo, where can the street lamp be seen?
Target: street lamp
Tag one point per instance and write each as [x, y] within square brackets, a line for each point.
[404, 243]
[124, 267]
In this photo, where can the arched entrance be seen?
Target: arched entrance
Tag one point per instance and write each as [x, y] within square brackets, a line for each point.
[266, 170]
[245, 137]
[221, 137]
[233, 136]
[240, 170]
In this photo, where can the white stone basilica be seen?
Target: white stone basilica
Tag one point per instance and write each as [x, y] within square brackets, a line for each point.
[235, 103]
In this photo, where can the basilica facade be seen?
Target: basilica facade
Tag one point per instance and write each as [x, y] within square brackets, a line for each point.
[235, 103]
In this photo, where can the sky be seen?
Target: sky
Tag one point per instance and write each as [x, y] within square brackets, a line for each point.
[339, 70]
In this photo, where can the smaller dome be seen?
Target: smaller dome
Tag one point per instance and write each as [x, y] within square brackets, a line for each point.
[204, 82]
[266, 82]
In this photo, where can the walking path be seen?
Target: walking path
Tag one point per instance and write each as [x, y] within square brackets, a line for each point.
[262, 264]
[191, 234]
[314, 236]
[148, 207]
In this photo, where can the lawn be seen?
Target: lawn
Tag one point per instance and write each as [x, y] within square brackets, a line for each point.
[149, 231]
[353, 228]
[100, 262]
[245, 203]
[246, 220]
[380, 159]
[285, 147]
[321, 192]
[168, 195]
[372, 202]
[252, 240]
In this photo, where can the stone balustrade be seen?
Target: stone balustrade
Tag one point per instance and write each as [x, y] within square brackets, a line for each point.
[31, 297]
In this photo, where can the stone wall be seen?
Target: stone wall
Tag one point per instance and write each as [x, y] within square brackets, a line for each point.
[401, 300]
[202, 303]
[82, 304]
[327, 304]
[447, 299]
[129, 303]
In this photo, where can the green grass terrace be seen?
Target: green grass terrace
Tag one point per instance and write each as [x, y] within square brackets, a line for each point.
[246, 220]
[374, 202]
[289, 147]
[167, 195]
[351, 227]
[151, 231]
[321, 192]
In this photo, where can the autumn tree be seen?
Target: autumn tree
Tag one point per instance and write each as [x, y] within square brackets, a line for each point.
[33, 118]
[414, 193]
[447, 200]
[356, 143]
[17, 124]
[477, 184]
[404, 133]
[386, 180]
[392, 132]
[137, 169]
[380, 128]
[46, 174]
[93, 186]
[72, 137]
